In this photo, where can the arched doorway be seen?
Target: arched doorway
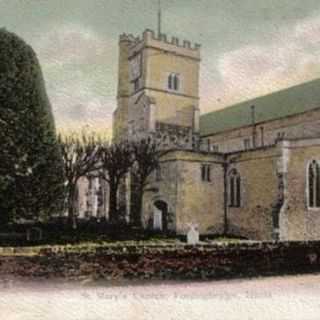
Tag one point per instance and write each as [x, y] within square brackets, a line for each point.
[160, 215]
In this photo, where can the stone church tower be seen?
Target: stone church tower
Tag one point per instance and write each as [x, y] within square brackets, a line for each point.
[158, 89]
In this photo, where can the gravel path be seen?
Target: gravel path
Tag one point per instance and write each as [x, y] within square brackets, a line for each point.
[291, 297]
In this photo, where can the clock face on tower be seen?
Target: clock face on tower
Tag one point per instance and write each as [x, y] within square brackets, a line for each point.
[135, 67]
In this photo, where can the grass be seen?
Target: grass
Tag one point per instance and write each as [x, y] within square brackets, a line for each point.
[87, 246]
[82, 247]
[226, 239]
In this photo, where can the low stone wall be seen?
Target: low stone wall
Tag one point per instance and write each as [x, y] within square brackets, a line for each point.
[163, 261]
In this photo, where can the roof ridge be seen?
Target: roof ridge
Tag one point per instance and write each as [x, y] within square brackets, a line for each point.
[279, 104]
[261, 97]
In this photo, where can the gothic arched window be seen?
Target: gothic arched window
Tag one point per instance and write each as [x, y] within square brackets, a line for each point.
[234, 189]
[314, 185]
[170, 81]
[176, 82]
[206, 172]
[173, 82]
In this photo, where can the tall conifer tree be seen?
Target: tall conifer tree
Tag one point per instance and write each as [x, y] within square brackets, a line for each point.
[31, 170]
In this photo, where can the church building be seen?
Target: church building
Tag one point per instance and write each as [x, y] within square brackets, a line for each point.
[250, 170]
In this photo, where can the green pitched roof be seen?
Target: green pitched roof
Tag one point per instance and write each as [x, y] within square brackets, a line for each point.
[291, 101]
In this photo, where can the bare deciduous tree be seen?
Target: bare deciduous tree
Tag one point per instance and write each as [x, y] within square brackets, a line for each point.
[80, 158]
[115, 162]
[146, 160]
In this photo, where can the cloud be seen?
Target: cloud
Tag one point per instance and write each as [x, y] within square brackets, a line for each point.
[291, 57]
[71, 44]
[80, 67]
[77, 66]
[307, 31]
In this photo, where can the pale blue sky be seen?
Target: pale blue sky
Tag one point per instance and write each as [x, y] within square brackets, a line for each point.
[249, 47]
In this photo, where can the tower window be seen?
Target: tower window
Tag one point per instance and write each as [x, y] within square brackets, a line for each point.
[314, 185]
[206, 172]
[170, 81]
[174, 82]
[234, 189]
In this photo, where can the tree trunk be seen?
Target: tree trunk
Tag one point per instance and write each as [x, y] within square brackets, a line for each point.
[71, 201]
[138, 218]
[113, 203]
[136, 209]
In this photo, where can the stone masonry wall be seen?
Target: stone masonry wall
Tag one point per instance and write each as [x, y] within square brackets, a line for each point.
[299, 126]
[200, 202]
[259, 193]
[189, 199]
[162, 188]
[299, 221]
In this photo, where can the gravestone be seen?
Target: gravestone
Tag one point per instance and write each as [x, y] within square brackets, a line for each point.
[193, 234]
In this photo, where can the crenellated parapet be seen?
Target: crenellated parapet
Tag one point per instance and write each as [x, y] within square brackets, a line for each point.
[149, 34]
[125, 37]
[151, 39]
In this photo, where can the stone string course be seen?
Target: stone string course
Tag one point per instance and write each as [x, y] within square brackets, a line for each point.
[164, 261]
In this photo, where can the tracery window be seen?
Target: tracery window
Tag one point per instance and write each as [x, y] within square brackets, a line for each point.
[234, 189]
[206, 172]
[174, 82]
[314, 185]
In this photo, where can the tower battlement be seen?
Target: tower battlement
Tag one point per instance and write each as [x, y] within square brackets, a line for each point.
[129, 37]
[150, 38]
[149, 35]
[162, 42]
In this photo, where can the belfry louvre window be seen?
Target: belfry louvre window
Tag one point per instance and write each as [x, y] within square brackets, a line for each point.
[246, 144]
[234, 189]
[206, 172]
[173, 82]
[314, 185]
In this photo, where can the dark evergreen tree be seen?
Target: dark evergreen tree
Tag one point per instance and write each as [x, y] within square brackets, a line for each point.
[31, 169]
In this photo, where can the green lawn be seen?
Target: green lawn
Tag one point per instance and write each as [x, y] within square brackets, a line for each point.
[86, 246]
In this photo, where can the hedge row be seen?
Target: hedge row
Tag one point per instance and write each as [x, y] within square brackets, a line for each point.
[166, 261]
